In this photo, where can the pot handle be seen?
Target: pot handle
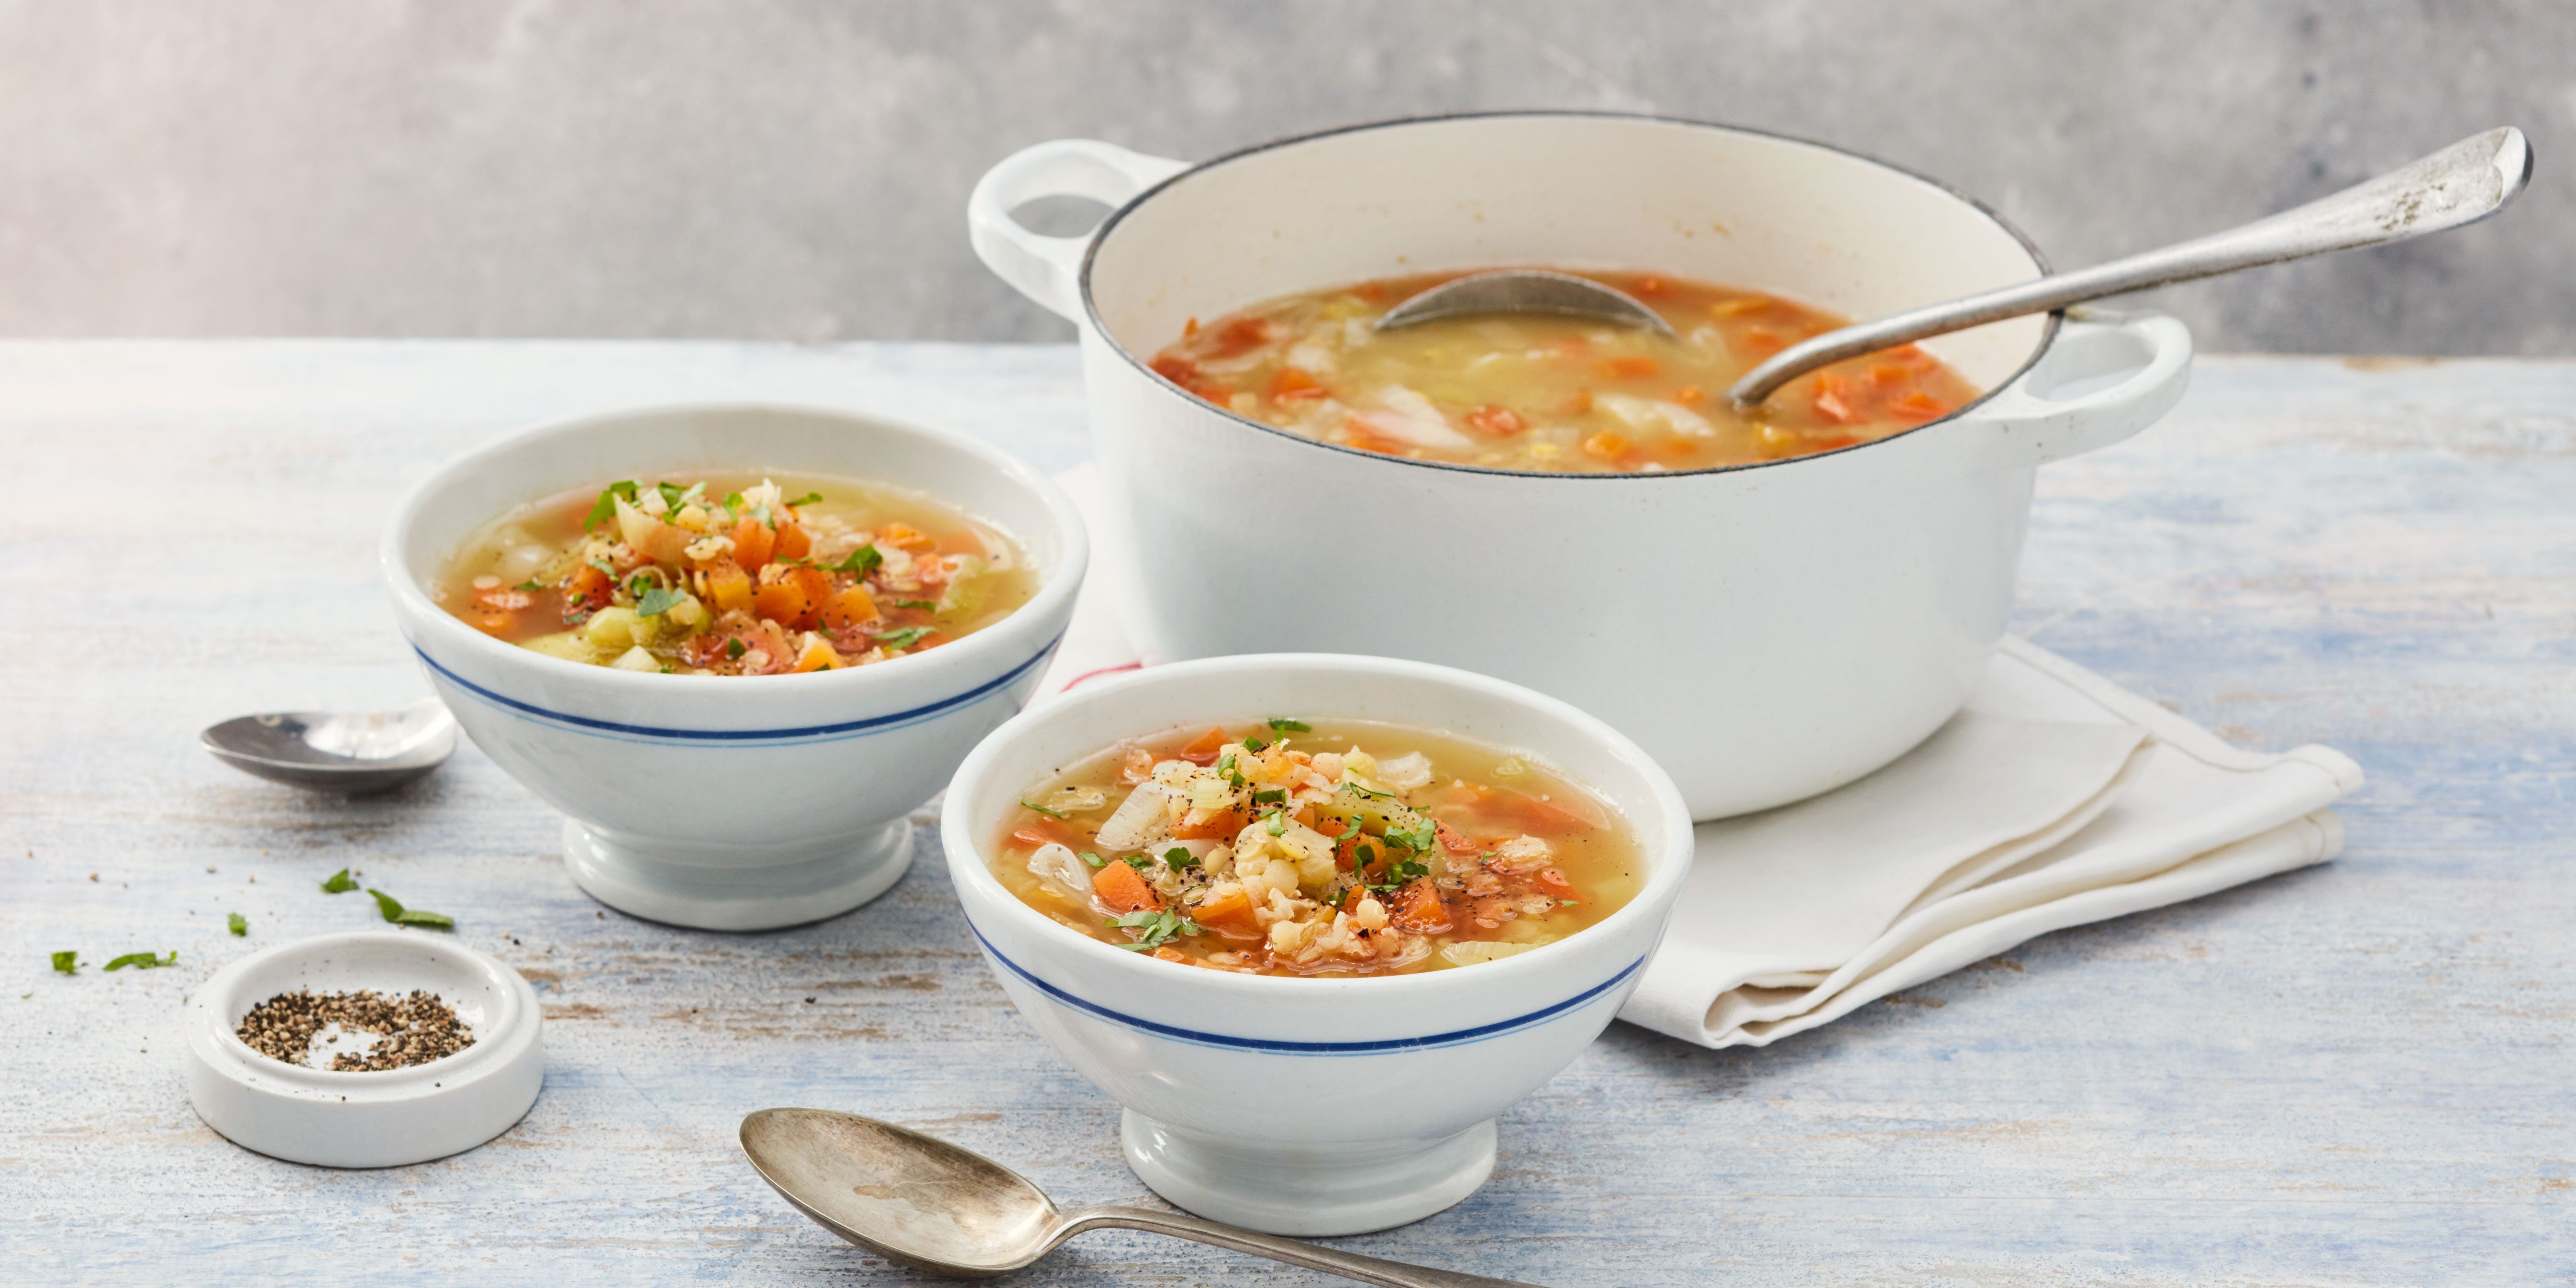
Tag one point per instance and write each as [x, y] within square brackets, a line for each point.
[2032, 427]
[1040, 267]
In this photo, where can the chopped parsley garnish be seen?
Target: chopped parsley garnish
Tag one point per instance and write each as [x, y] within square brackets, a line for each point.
[530, 584]
[1282, 724]
[733, 500]
[605, 508]
[401, 916]
[1355, 830]
[931, 604]
[1274, 796]
[1253, 742]
[1419, 838]
[1153, 928]
[144, 961]
[863, 561]
[602, 565]
[1092, 859]
[807, 499]
[673, 496]
[1179, 857]
[339, 883]
[236, 923]
[1278, 823]
[1041, 809]
[734, 648]
[1378, 796]
[67, 961]
[1363, 855]
[658, 600]
[1139, 862]
[1569, 903]
[905, 638]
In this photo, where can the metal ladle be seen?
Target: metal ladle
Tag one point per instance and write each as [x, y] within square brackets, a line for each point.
[351, 753]
[2460, 184]
[936, 1207]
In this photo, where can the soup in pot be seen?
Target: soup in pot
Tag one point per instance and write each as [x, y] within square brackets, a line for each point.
[735, 575]
[1549, 393]
[1342, 848]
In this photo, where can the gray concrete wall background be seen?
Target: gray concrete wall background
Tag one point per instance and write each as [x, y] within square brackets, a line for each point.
[796, 169]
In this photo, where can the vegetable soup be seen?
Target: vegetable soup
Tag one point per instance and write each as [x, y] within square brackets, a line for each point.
[1346, 848]
[1545, 392]
[735, 575]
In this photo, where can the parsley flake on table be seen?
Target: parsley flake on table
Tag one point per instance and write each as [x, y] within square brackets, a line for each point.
[402, 916]
[68, 961]
[144, 961]
[339, 883]
[237, 923]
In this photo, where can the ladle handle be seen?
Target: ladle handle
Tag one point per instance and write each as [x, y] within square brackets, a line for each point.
[2460, 184]
[1349, 1265]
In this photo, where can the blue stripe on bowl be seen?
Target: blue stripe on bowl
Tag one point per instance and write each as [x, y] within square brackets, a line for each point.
[1458, 1037]
[845, 729]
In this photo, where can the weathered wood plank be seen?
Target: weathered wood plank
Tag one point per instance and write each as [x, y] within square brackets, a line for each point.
[2354, 1074]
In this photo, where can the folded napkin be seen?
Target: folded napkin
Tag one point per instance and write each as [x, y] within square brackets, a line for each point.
[2053, 799]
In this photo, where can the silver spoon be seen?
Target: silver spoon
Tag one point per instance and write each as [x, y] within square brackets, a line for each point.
[1525, 290]
[2460, 184]
[349, 753]
[936, 1207]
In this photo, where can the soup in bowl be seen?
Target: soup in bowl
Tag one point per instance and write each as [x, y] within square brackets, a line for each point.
[704, 786]
[1523, 855]
[1790, 604]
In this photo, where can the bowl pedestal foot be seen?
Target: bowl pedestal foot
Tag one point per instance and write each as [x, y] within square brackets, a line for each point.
[1307, 1190]
[727, 894]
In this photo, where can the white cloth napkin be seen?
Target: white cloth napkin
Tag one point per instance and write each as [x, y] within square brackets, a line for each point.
[2053, 799]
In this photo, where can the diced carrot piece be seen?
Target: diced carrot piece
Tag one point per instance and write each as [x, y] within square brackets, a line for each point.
[1689, 394]
[1919, 406]
[1577, 403]
[1204, 748]
[1180, 371]
[496, 624]
[1498, 422]
[1219, 826]
[1650, 285]
[792, 541]
[817, 655]
[729, 586]
[1242, 335]
[1883, 374]
[1628, 367]
[1190, 329]
[1762, 340]
[1830, 389]
[1124, 889]
[904, 536]
[1168, 953]
[1373, 292]
[1229, 915]
[1455, 841]
[1289, 384]
[848, 607]
[1740, 304]
[752, 543]
[1417, 908]
[587, 588]
[791, 600]
[1607, 444]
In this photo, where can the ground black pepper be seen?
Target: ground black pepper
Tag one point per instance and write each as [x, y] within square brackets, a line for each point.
[413, 1030]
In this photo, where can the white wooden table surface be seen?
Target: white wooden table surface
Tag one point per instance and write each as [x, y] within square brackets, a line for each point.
[2360, 1073]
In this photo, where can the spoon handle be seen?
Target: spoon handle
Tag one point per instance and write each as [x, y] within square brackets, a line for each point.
[1349, 1265]
[2460, 184]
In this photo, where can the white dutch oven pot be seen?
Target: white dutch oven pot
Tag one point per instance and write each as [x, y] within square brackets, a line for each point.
[1768, 631]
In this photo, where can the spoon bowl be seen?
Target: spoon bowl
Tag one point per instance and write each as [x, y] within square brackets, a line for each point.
[351, 753]
[1526, 290]
[950, 1211]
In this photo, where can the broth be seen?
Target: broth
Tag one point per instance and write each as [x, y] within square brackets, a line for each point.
[1548, 393]
[1257, 848]
[724, 575]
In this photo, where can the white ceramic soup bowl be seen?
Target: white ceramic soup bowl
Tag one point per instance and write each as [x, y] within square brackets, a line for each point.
[1769, 631]
[734, 803]
[1311, 1105]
